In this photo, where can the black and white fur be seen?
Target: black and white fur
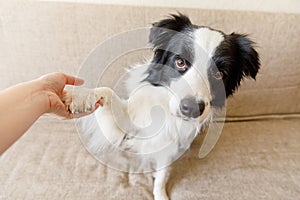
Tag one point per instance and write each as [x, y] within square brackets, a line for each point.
[202, 65]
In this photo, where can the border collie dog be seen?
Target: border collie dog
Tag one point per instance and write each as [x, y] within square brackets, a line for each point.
[171, 98]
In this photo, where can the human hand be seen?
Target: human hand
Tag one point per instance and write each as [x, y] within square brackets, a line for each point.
[53, 86]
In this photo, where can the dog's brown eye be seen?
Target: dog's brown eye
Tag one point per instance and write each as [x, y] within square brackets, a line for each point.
[219, 75]
[180, 64]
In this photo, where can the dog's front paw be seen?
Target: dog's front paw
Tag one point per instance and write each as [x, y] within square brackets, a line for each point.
[81, 100]
[161, 196]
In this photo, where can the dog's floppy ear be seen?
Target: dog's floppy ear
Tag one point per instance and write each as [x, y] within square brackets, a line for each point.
[247, 55]
[238, 58]
[166, 28]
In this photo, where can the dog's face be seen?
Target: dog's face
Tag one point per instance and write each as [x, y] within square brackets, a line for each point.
[202, 65]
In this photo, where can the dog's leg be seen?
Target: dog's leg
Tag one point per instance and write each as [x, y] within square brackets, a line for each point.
[83, 99]
[160, 181]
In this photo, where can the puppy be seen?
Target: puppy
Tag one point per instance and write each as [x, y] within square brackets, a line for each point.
[171, 98]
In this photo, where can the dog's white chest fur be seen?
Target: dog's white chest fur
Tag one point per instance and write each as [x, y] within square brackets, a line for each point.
[141, 125]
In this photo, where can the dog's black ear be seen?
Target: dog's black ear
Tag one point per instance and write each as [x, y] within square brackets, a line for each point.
[238, 58]
[166, 28]
[248, 56]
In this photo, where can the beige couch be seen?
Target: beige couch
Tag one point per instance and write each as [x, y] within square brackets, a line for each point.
[257, 156]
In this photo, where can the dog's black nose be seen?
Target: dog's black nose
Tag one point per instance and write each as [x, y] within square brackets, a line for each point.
[190, 107]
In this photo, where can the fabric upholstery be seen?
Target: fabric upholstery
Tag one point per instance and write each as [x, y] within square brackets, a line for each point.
[252, 160]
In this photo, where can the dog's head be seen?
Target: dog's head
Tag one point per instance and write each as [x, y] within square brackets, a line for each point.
[204, 66]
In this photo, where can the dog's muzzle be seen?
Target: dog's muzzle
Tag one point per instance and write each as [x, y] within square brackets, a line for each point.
[192, 108]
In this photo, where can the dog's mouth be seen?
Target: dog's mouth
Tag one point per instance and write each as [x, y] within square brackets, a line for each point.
[157, 84]
[182, 116]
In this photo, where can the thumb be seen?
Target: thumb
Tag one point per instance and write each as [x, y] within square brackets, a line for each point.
[71, 80]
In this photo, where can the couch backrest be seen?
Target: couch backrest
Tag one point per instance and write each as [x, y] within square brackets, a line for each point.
[41, 37]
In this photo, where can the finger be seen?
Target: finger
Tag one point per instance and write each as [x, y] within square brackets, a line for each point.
[62, 111]
[99, 102]
[97, 105]
[72, 80]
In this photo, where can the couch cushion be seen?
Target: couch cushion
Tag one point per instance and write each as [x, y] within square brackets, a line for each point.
[252, 160]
